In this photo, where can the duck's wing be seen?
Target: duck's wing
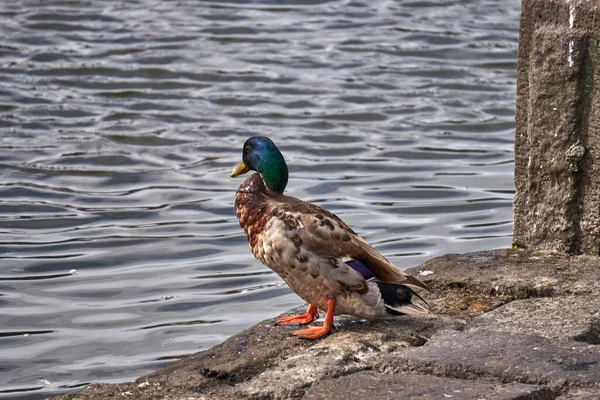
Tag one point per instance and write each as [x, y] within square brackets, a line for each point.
[324, 233]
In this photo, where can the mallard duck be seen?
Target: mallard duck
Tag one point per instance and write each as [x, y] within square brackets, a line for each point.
[320, 258]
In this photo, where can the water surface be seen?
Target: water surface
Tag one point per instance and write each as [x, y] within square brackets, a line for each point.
[120, 122]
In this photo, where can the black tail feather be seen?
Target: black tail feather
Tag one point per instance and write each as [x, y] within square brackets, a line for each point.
[398, 299]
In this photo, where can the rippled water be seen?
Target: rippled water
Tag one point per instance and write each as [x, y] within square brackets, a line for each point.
[120, 122]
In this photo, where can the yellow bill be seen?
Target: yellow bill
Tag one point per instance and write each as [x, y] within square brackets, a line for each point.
[241, 169]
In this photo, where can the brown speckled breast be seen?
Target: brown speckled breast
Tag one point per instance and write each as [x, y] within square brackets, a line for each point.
[251, 207]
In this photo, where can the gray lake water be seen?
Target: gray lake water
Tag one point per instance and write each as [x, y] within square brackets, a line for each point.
[120, 122]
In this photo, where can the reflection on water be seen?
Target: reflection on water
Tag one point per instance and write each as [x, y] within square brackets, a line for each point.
[120, 123]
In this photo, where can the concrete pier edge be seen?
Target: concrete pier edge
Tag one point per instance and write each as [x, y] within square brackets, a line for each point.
[507, 324]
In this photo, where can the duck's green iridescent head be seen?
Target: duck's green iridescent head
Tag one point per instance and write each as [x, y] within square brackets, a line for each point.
[261, 155]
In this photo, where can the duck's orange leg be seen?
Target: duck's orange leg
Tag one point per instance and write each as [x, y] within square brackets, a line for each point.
[303, 319]
[315, 333]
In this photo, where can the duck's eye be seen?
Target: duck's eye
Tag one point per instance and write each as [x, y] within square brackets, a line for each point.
[247, 149]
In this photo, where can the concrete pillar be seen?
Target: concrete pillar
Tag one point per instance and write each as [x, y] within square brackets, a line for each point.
[557, 144]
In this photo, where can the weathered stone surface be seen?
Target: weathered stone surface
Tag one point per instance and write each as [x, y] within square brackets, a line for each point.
[512, 273]
[356, 347]
[591, 334]
[560, 319]
[557, 142]
[466, 285]
[504, 356]
[371, 385]
[525, 324]
[580, 394]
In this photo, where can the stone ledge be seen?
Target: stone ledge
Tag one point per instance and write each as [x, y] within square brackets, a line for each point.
[507, 325]
[371, 385]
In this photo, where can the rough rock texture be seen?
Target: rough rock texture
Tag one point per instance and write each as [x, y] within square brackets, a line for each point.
[557, 143]
[506, 325]
[370, 385]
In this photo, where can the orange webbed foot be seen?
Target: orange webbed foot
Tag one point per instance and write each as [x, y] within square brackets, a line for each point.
[312, 333]
[303, 319]
[295, 320]
[315, 333]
